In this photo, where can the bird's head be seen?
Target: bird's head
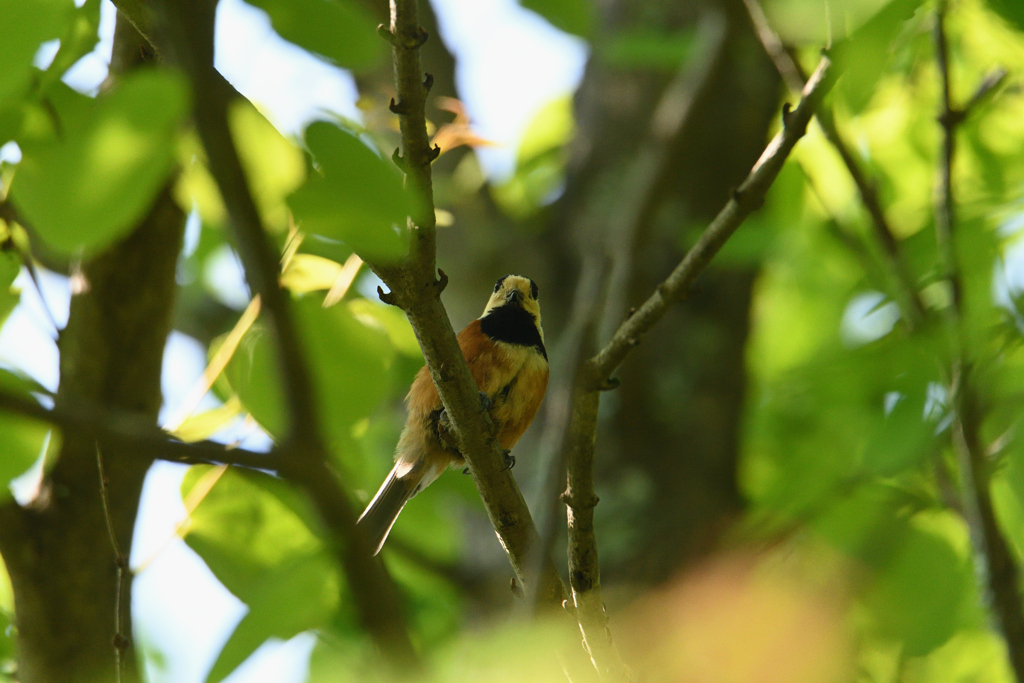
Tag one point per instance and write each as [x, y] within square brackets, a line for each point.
[516, 291]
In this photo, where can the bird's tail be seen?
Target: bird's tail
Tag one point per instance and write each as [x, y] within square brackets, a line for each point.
[380, 515]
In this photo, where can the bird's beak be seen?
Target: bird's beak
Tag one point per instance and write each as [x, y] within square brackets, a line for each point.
[515, 297]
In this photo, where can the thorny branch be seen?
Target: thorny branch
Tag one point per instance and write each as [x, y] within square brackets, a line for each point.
[416, 290]
[907, 295]
[569, 463]
[595, 374]
[995, 565]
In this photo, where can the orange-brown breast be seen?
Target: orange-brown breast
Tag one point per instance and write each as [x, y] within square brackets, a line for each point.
[493, 366]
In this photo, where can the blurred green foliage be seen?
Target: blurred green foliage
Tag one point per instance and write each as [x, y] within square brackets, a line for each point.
[846, 460]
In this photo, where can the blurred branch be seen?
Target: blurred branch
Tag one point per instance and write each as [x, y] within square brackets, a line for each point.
[188, 28]
[106, 425]
[584, 572]
[907, 294]
[121, 641]
[565, 458]
[416, 290]
[995, 564]
[745, 200]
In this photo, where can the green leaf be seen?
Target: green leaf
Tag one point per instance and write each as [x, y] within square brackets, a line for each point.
[571, 16]
[921, 595]
[862, 57]
[338, 30]
[1010, 10]
[356, 197]
[24, 25]
[349, 362]
[23, 441]
[255, 535]
[902, 439]
[78, 40]
[300, 596]
[273, 165]
[10, 266]
[84, 191]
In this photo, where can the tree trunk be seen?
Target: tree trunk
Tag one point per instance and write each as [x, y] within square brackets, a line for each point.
[57, 550]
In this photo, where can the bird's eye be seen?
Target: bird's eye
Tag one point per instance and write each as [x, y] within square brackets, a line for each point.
[534, 291]
[497, 285]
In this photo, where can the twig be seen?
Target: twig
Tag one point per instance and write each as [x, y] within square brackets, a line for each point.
[907, 296]
[995, 566]
[576, 344]
[745, 200]
[188, 27]
[416, 289]
[121, 641]
[584, 572]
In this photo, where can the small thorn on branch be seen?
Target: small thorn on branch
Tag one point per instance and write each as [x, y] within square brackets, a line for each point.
[441, 282]
[434, 153]
[630, 312]
[633, 341]
[386, 297]
[416, 40]
[385, 33]
[399, 160]
[428, 81]
[399, 108]
[787, 110]
[517, 589]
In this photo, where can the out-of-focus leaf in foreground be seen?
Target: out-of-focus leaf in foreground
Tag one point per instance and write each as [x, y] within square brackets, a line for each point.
[86, 189]
[253, 533]
[339, 30]
[353, 196]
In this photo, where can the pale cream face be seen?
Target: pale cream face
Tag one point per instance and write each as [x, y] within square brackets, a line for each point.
[527, 290]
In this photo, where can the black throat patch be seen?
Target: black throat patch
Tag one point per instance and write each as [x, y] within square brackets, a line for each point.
[513, 325]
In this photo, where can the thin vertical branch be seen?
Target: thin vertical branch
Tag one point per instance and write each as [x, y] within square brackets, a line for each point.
[994, 563]
[121, 641]
[416, 289]
[907, 296]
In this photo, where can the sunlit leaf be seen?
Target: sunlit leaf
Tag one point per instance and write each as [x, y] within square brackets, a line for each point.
[354, 196]
[78, 40]
[273, 165]
[340, 30]
[349, 363]
[24, 25]
[309, 273]
[23, 441]
[265, 554]
[294, 598]
[86, 190]
[10, 266]
[863, 56]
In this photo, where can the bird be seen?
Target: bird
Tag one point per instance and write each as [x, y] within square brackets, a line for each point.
[505, 351]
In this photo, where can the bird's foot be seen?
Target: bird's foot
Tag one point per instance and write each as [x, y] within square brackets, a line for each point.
[445, 433]
[510, 461]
